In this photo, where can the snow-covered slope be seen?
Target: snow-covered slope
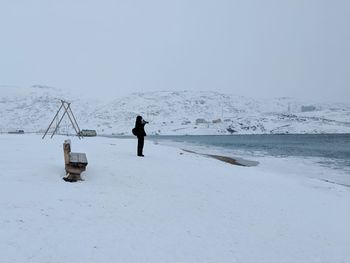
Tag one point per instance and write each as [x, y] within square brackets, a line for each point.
[170, 113]
[33, 108]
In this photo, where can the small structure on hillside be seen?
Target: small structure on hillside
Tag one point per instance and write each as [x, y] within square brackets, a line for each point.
[308, 108]
[65, 107]
[16, 132]
[88, 133]
[217, 121]
[201, 121]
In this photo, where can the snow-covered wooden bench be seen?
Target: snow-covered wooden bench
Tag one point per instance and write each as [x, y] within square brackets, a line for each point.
[75, 163]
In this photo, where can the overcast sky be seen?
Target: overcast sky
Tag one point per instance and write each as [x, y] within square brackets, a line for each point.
[109, 48]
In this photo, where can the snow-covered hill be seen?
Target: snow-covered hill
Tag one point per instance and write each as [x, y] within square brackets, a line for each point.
[172, 113]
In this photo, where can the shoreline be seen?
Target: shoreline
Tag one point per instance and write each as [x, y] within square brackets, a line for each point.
[226, 159]
[249, 163]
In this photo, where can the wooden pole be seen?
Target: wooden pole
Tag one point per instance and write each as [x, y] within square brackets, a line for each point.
[53, 120]
[66, 110]
[58, 122]
[74, 117]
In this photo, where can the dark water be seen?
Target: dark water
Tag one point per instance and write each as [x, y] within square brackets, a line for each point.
[320, 145]
[330, 149]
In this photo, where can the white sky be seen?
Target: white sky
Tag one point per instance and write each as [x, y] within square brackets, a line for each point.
[109, 48]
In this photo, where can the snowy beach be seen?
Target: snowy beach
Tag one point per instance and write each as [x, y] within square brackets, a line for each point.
[171, 206]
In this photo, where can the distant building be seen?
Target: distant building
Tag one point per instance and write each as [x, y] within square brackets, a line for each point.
[201, 121]
[308, 108]
[88, 133]
[217, 121]
[16, 132]
[186, 122]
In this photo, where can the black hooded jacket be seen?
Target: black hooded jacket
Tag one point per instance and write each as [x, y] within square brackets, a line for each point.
[140, 127]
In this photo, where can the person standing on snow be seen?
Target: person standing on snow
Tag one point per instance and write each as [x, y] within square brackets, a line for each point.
[139, 131]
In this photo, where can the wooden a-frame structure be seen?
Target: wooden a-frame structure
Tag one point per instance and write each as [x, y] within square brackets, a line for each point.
[65, 107]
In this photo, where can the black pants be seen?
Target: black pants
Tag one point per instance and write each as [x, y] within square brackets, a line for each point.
[140, 143]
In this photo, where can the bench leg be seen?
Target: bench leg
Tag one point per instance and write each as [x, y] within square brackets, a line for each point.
[70, 177]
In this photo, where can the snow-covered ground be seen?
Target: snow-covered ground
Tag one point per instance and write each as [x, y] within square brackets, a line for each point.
[170, 206]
